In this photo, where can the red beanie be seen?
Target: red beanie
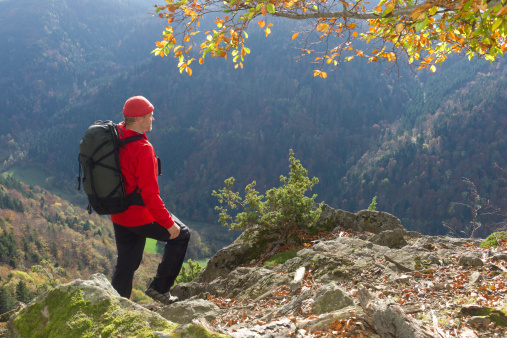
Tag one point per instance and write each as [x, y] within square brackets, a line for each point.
[137, 106]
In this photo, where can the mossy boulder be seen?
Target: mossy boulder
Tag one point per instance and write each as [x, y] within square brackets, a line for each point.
[499, 316]
[492, 240]
[88, 308]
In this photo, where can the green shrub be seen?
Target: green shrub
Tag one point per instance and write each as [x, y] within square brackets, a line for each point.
[280, 209]
[189, 272]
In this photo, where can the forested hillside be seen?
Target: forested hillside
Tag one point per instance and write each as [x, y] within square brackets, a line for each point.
[406, 137]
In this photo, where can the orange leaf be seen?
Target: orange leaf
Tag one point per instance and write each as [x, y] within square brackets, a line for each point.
[399, 28]
[189, 71]
[201, 61]
[295, 35]
[323, 27]
[355, 34]
[261, 23]
[351, 25]
[159, 44]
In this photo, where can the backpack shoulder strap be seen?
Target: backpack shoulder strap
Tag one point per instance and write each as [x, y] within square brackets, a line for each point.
[130, 139]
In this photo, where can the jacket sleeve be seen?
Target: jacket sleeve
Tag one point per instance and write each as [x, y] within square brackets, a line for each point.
[147, 174]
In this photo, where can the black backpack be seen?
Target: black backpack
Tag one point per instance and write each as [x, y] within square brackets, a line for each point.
[100, 172]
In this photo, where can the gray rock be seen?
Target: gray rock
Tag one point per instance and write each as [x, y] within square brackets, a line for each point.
[224, 261]
[469, 260]
[479, 321]
[329, 298]
[477, 278]
[275, 329]
[295, 302]
[391, 238]
[184, 312]
[364, 220]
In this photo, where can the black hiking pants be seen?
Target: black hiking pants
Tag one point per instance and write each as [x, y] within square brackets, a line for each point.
[130, 242]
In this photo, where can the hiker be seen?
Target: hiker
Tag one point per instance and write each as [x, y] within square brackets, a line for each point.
[140, 170]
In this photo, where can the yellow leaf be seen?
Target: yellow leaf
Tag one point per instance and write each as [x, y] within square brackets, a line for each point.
[433, 68]
[323, 27]
[189, 71]
[261, 23]
[323, 75]
[295, 35]
[351, 25]
[316, 73]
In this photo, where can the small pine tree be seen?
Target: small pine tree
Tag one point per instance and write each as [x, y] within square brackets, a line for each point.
[7, 303]
[22, 293]
[373, 204]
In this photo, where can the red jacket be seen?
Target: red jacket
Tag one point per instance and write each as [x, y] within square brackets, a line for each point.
[139, 169]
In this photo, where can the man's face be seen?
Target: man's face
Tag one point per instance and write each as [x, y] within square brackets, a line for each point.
[146, 122]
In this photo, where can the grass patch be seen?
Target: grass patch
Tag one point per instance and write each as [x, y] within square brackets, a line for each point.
[281, 257]
[151, 245]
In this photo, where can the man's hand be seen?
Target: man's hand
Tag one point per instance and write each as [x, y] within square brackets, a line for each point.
[174, 231]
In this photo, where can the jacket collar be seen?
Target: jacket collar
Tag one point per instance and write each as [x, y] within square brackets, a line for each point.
[125, 132]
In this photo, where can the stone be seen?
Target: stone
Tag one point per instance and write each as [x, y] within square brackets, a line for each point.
[477, 278]
[479, 321]
[469, 260]
[224, 261]
[184, 312]
[391, 238]
[329, 298]
[364, 220]
[275, 329]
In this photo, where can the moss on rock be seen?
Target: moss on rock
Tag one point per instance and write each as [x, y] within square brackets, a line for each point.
[492, 240]
[67, 314]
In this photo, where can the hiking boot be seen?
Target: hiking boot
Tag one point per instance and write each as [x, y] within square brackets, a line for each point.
[164, 298]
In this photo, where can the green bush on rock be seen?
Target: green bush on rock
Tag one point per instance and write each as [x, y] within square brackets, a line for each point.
[281, 208]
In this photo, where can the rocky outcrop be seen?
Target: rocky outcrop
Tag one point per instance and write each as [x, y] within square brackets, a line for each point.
[364, 220]
[377, 280]
[92, 308]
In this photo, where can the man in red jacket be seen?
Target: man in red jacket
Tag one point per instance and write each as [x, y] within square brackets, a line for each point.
[140, 172]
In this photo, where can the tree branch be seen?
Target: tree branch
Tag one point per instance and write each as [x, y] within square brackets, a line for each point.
[345, 14]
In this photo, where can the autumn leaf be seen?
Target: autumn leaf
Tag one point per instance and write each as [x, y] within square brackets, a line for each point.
[264, 10]
[399, 28]
[261, 23]
[189, 71]
[323, 27]
[295, 35]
